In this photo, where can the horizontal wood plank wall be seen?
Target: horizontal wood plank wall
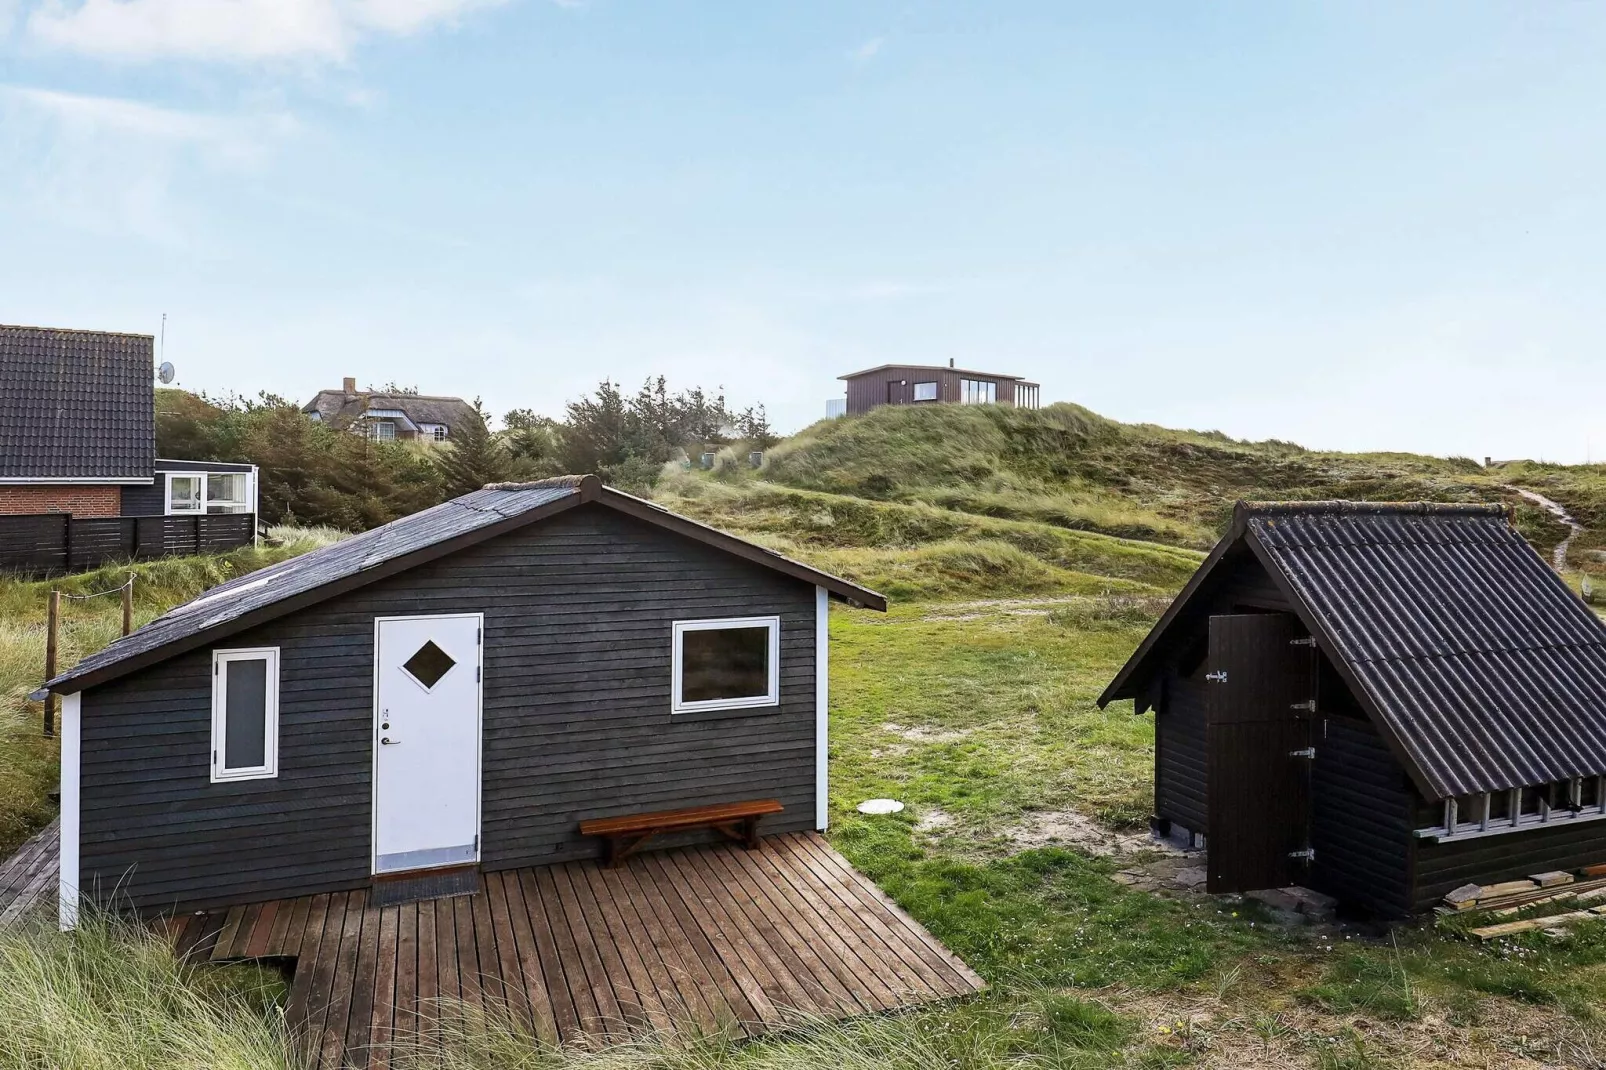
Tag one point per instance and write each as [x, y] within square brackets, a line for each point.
[1360, 813]
[577, 723]
[1180, 768]
[1443, 867]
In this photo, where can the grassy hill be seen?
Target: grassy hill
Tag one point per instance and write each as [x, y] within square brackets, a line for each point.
[966, 500]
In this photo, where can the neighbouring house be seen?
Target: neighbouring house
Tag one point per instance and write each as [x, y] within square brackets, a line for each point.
[918, 384]
[459, 687]
[1383, 702]
[78, 432]
[390, 416]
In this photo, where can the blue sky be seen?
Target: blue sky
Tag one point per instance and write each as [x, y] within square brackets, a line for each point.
[1351, 225]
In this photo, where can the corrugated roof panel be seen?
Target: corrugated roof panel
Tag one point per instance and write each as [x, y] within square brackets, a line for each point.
[1489, 671]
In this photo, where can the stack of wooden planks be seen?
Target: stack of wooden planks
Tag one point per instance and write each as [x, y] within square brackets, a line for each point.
[1507, 898]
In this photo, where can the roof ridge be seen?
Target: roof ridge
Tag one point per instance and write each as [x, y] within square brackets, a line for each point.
[1248, 508]
[74, 330]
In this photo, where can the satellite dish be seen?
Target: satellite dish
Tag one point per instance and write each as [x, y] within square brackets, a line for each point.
[165, 372]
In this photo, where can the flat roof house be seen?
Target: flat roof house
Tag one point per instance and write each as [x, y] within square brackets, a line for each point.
[387, 416]
[1383, 702]
[918, 384]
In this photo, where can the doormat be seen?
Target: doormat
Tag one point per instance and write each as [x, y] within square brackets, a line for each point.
[389, 893]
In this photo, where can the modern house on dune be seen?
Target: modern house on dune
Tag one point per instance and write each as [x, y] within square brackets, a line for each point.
[1381, 702]
[390, 415]
[920, 384]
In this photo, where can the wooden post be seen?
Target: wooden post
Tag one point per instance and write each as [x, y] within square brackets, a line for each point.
[52, 620]
[128, 605]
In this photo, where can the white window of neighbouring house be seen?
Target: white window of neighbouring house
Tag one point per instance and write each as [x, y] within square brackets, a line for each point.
[383, 430]
[184, 493]
[227, 492]
[925, 391]
[245, 714]
[726, 664]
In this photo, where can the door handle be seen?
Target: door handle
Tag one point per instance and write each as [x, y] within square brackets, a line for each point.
[387, 741]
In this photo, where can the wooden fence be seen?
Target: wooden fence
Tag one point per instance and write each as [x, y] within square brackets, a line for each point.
[51, 544]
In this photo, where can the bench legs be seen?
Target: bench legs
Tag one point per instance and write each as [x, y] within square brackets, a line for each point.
[619, 848]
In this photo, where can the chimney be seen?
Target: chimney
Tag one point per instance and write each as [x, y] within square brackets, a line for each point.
[350, 386]
[950, 362]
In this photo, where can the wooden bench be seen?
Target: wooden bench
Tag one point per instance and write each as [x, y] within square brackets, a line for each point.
[625, 835]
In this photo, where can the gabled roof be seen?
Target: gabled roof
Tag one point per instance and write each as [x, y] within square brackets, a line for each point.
[76, 405]
[272, 592]
[928, 368]
[1479, 665]
[340, 410]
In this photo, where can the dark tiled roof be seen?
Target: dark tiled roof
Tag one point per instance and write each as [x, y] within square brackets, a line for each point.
[76, 404]
[339, 409]
[1471, 652]
[280, 588]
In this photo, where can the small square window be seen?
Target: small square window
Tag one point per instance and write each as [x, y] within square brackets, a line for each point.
[725, 664]
[439, 432]
[245, 714]
[429, 664]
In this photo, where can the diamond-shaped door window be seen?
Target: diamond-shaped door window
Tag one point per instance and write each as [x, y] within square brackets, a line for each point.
[428, 664]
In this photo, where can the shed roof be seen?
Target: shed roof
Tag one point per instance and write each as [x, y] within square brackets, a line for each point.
[312, 577]
[1482, 668]
[76, 405]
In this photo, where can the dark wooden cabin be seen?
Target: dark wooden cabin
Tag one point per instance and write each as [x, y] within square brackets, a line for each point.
[1382, 702]
[922, 384]
[460, 687]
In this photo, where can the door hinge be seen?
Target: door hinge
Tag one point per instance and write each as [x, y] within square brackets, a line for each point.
[476, 843]
[476, 674]
[477, 633]
[1309, 640]
[1217, 677]
[1309, 707]
[1308, 854]
[1307, 752]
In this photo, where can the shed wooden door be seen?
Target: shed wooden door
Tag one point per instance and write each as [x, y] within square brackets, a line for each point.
[1259, 773]
[426, 741]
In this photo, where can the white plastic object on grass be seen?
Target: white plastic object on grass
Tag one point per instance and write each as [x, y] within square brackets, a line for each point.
[880, 806]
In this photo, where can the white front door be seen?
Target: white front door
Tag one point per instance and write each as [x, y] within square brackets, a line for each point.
[426, 741]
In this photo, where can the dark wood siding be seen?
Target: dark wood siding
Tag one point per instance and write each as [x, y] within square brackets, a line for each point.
[577, 723]
[1443, 867]
[1360, 813]
[1180, 760]
[865, 392]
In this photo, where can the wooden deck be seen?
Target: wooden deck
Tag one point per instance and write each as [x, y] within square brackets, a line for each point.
[30, 877]
[705, 937]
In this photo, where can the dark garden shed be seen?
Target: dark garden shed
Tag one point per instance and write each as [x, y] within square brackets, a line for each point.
[1378, 701]
[460, 687]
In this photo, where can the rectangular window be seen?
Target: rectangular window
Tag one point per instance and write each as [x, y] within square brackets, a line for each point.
[383, 430]
[726, 664]
[925, 391]
[184, 493]
[977, 392]
[245, 714]
[226, 493]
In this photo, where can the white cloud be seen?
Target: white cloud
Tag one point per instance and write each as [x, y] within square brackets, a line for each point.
[107, 164]
[867, 51]
[231, 30]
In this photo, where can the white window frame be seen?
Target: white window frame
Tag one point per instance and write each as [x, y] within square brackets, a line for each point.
[934, 391]
[270, 736]
[200, 478]
[232, 506]
[772, 696]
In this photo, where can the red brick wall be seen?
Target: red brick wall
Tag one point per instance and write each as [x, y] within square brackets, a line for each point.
[80, 500]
